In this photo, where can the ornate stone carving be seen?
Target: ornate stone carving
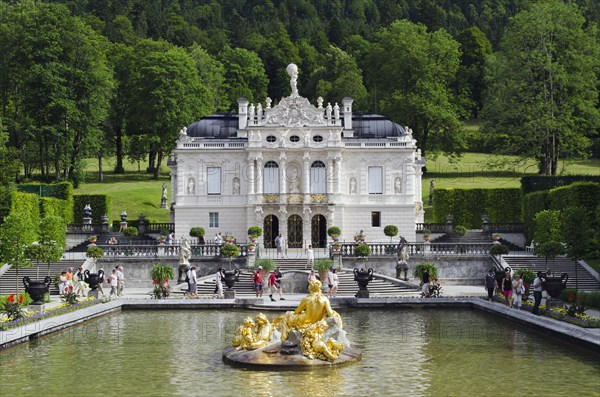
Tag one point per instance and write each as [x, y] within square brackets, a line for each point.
[295, 198]
[270, 198]
[319, 198]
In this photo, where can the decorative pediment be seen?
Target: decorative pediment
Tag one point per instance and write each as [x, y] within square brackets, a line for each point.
[294, 111]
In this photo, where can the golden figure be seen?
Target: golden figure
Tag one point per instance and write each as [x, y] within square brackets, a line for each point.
[314, 345]
[244, 335]
[254, 334]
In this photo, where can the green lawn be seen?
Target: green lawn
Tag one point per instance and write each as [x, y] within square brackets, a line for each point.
[136, 193]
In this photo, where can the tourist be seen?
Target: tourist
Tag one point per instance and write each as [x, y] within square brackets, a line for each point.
[335, 283]
[507, 289]
[279, 245]
[537, 293]
[329, 278]
[81, 286]
[490, 284]
[69, 276]
[278, 277]
[258, 279]
[219, 283]
[271, 284]
[218, 239]
[424, 284]
[517, 289]
[62, 283]
[120, 280]
[113, 280]
[192, 282]
[310, 254]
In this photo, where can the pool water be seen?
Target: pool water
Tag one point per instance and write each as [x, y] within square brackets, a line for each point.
[405, 352]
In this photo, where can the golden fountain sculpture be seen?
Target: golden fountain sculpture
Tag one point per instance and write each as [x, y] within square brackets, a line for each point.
[311, 333]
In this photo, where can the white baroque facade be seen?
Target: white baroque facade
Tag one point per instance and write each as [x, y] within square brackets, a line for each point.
[296, 169]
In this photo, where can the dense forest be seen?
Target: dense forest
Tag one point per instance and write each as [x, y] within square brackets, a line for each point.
[96, 78]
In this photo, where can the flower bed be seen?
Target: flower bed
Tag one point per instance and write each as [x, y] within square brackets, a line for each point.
[56, 311]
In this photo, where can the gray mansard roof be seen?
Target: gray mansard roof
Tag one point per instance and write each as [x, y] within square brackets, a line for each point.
[222, 126]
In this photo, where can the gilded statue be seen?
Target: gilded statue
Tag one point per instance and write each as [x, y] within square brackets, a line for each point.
[254, 334]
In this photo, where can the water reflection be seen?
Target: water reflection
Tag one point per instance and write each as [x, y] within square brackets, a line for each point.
[405, 352]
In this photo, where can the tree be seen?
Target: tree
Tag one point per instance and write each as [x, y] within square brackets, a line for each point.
[547, 239]
[16, 235]
[543, 85]
[577, 235]
[212, 76]
[51, 241]
[244, 76]
[414, 72]
[166, 95]
[9, 159]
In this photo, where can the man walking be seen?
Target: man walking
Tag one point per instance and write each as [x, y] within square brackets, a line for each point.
[279, 245]
[537, 293]
[490, 284]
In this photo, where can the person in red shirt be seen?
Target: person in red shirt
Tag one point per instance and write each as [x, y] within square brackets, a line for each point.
[258, 279]
[272, 284]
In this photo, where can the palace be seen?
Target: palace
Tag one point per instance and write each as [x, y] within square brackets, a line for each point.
[296, 169]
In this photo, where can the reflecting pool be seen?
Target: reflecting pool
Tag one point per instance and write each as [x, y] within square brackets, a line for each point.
[405, 352]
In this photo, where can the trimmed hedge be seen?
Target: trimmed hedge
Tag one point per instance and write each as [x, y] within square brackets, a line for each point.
[536, 183]
[26, 203]
[100, 204]
[468, 205]
[56, 207]
[532, 204]
[5, 202]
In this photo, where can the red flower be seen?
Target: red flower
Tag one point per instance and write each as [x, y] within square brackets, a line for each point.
[155, 281]
[571, 297]
[70, 288]
[166, 279]
[20, 299]
[11, 298]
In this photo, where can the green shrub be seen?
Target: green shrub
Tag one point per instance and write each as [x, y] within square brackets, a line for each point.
[534, 183]
[421, 267]
[532, 204]
[579, 194]
[266, 264]
[197, 232]
[255, 231]
[162, 273]
[390, 231]
[585, 298]
[499, 249]
[334, 232]
[526, 274]
[230, 250]
[100, 204]
[460, 230]
[130, 231]
[94, 252]
[362, 250]
[322, 265]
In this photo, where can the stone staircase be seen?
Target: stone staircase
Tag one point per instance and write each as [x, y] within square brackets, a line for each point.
[347, 286]
[9, 279]
[559, 265]
[475, 237]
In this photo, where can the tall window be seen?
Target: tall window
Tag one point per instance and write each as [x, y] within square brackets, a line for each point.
[375, 180]
[213, 178]
[376, 219]
[213, 219]
[271, 178]
[317, 177]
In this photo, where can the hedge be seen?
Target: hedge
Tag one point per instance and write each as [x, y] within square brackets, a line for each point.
[56, 207]
[26, 203]
[62, 190]
[468, 205]
[534, 183]
[5, 202]
[99, 203]
[532, 204]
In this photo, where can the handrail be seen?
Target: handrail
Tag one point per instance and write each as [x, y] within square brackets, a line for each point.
[417, 249]
[162, 250]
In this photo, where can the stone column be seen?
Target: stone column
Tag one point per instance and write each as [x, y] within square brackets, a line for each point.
[282, 177]
[306, 176]
[338, 174]
[259, 175]
[328, 181]
[252, 177]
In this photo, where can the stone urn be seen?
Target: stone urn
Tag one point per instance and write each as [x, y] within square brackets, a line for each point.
[36, 288]
[362, 277]
[230, 277]
[554, 285]
[94, 279]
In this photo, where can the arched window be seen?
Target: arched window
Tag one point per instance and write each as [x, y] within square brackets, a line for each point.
[317, 178]
[271, 178]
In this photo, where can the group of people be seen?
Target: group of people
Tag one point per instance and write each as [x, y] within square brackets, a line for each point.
[273, 283]
[192, 280]
[72, 282]
[513, 289]
[331, 277]
[116, 280]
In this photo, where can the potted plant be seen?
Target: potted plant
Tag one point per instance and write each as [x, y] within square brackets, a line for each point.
[421, 267]
[390, 231]
[160, 279]
[251, 246]
[322, 267]
[198, 232]
[92, 239]
[496, 236]
[130, 231]
[362, 250]
[266, 264]
[94, 252]
[527, 275]
[161, 239]
[460, 230]
[426, 234]
[337, 246]
[334, 232]
[228, 238]
[254, 232]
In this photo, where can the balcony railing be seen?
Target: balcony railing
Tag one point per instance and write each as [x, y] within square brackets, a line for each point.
[422, 249]
[162, 250]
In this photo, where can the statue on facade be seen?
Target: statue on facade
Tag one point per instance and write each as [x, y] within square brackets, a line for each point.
[292, 71]
[295, 182]
[191, 186]
[236, 185]
[402, 251]
[185, 252]
[398, 185]
[352, 186]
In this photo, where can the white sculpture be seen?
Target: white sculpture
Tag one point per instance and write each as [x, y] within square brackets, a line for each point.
[292, 71]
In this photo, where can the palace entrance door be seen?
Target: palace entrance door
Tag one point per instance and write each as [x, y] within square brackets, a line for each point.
[271, 228]
[318, 231]
[295, 231]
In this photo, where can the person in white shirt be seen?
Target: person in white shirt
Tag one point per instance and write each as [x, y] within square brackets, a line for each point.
[113, 280]
[120, 280]
[310, 254]
[219, 283]
[330, 281]
[192, 283]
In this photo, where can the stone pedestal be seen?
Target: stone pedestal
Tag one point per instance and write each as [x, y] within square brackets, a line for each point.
[37, 309]
[94, 294]
[362, 293]
[402, 270]
[426, 248]
[229, 294]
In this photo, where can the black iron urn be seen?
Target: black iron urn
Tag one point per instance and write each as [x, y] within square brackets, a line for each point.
[554, 285]
[230, 277]
[36, 289]
[94, 279]
[362, 277]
